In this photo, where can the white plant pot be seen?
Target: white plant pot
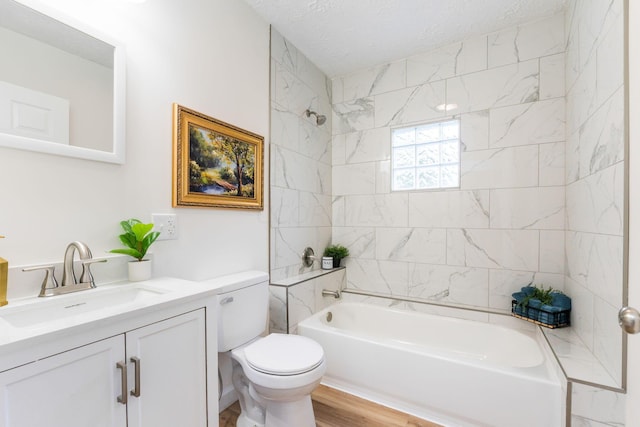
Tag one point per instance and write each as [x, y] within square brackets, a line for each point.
[139, 270]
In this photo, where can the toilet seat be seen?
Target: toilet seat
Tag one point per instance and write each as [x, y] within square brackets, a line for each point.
[284, 355]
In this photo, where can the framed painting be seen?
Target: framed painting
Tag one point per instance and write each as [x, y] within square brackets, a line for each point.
[215, 164]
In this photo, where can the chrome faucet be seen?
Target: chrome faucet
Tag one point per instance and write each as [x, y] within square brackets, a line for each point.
[68, 273]
[69, 282]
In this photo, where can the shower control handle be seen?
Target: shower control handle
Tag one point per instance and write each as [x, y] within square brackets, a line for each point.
[308, 256]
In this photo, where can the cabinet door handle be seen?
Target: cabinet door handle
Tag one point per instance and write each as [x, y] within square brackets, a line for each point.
[136, 364]
[123, 376]
[226, 300]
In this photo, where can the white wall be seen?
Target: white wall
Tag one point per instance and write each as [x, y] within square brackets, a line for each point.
[208, 55]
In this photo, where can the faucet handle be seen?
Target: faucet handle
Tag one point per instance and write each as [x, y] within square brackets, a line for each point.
[49, 282]
[86, 276]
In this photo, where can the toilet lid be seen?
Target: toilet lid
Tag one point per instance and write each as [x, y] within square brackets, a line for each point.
[282, 354]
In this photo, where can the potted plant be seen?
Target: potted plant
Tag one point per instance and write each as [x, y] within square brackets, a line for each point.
[337, 252]
[137, 238]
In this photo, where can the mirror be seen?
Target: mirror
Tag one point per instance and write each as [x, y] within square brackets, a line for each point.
[61, 85]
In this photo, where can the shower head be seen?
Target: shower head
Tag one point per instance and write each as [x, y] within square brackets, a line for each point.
[320, 119]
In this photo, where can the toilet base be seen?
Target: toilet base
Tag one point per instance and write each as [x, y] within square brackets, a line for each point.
[283, 414]
[251, 411]
[283, 411]
[275, 400]
[244, 421]
[297, 413]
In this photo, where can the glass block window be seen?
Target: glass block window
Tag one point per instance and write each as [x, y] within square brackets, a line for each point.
[426, 156]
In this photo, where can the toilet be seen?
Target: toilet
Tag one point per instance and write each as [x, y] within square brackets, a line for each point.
[273, 375]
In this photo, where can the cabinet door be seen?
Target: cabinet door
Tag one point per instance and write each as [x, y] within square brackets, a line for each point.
[172, 371]
[77, 388]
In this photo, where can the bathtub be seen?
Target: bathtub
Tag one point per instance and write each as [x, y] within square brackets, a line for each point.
[450, 371]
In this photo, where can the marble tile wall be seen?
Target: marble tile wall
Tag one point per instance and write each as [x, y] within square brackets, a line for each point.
[540, 109]
[594, 174]
[292, 302]
[300, 160]
[504, 226]
[595, 407]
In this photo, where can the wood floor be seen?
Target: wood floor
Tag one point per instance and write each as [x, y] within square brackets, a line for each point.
[334, 408]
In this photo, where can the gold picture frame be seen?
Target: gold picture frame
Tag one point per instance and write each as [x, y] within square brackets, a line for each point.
[215, 164]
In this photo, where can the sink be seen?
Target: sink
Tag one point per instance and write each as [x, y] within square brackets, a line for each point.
[46, 310]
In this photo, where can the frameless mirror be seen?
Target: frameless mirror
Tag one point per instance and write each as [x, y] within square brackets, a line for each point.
[62, 85]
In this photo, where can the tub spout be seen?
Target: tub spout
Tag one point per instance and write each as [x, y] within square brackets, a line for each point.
[328, 293]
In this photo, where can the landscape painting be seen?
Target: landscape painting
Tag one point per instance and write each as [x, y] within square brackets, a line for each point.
[215, 164]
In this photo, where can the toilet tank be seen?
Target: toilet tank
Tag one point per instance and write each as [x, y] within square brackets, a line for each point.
[242, 312]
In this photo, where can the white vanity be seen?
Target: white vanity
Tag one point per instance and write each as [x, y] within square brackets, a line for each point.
[129, 354]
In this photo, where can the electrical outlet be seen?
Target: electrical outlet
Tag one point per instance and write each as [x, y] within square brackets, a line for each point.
[166, 224]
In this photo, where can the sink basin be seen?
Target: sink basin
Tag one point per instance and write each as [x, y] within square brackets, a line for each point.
[55, 308]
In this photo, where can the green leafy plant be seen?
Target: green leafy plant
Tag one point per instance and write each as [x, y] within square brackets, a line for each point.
[545, 296]
[137, 238]
[336, 251]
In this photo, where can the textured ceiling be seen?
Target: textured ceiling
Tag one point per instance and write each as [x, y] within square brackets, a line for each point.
[342, 36]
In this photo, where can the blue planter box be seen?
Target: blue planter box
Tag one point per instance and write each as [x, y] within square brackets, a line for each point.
[557, 315]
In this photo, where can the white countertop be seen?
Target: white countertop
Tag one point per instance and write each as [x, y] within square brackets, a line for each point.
[25, 322]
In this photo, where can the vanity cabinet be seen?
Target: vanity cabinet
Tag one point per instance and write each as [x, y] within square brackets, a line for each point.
[151, 376]
[77, 388]
[173, 371]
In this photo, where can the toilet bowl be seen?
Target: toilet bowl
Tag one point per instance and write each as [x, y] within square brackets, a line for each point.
[278, 373]
[273, 375]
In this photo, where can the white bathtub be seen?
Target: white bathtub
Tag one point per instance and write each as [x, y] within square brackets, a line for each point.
[451, 371]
